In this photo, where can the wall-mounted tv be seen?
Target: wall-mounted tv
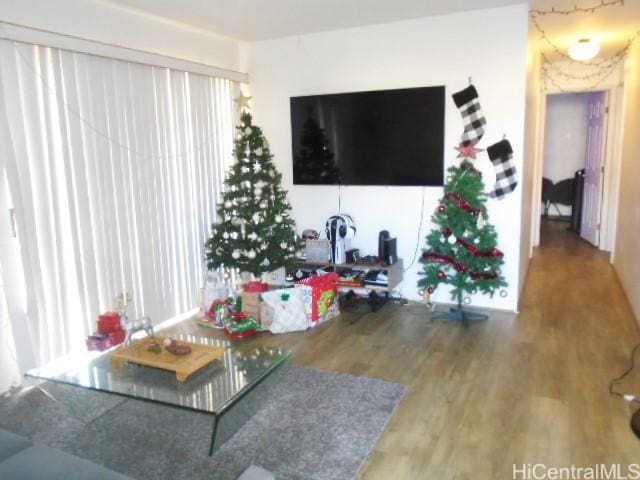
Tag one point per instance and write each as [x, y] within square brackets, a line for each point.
[385, 137]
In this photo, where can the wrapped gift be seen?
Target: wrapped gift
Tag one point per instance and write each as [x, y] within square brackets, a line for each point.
[103, 341]
[109, 322]
[285, 310]
[266, 315]
[251, 298]
[211, 293]
[320, 295]
[241, 325]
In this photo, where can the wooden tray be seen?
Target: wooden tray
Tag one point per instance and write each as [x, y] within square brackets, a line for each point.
[183, 365]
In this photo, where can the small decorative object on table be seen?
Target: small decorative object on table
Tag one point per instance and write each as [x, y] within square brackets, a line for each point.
[122, 303]
[137, 325]
[174, 347]
[145, 352]
[109, 333]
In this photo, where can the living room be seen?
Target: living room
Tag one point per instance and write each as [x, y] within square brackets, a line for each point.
[442, 388]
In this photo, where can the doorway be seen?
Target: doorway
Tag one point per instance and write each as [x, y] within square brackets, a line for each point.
[575, 149]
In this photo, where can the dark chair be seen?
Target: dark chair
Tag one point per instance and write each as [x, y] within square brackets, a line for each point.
[563, 193]
[547, 191]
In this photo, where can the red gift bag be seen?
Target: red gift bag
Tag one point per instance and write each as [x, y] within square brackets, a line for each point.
[324, 293]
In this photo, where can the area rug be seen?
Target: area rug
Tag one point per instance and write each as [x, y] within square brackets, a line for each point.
[313, 425]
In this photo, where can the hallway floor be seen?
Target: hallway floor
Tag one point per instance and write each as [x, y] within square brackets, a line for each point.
[517, 389]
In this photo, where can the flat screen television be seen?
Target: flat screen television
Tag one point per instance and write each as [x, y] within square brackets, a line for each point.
[385, 137]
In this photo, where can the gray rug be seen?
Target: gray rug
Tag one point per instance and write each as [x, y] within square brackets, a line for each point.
[313, 425]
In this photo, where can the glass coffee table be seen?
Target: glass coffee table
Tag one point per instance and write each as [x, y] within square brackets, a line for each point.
[230, 388]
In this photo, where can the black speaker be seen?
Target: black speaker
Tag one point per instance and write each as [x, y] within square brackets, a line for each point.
[382, 236]
[390, 251]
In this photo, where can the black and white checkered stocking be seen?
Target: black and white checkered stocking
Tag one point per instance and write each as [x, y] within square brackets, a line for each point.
[472, 117]
[501, 156]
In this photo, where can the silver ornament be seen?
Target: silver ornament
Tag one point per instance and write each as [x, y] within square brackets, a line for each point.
[283, 245]
[251, 254]
[278, 219]
[225, 235]
[248, 131]
[259, 151]
[452, 239]
[236, 254]
[228, 204]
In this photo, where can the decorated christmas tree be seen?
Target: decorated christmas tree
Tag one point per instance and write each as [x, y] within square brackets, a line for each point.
[462, 251]
[254, 233]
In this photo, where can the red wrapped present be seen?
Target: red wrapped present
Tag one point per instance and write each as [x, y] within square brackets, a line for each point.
[109, 322]
[321, 302]
[117, 337]
[251, 298]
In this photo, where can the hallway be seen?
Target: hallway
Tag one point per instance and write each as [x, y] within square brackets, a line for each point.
[580, 326]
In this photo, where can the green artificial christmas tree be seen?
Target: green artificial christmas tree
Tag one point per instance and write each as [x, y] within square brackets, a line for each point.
[254, 233]
[462, 251]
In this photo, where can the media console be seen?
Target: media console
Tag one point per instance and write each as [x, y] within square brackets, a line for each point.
[394, 273]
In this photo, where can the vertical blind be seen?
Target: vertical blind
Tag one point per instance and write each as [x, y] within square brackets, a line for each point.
[114, 170]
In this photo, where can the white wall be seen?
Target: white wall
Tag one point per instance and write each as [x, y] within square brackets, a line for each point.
[103, 21]
[627, 254]
[533, 130]
[488, 45]
[565, 143]
[565, 146]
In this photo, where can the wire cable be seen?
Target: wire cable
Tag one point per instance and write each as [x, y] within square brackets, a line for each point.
[415, 252]
[626, 397]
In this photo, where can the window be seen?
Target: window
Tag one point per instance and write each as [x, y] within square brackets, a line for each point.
[115, 169]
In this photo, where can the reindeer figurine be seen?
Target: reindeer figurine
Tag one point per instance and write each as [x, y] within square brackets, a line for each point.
[128, 325]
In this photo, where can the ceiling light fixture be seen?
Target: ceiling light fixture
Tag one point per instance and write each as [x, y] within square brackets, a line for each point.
[584, 49]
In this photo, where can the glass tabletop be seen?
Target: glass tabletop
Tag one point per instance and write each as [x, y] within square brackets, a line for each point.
[212, 389]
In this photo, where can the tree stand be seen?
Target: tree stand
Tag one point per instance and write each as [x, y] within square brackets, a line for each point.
[458, 313]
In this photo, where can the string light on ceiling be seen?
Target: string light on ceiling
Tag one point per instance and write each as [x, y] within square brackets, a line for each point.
[599, 69]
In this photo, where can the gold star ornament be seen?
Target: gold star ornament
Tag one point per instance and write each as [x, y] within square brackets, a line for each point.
[243, 101]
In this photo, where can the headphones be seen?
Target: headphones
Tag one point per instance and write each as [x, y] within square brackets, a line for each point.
[340, 226]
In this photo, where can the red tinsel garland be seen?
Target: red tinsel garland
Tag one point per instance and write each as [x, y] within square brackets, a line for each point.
[463, 204]
[458, 266]
[494, 252]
